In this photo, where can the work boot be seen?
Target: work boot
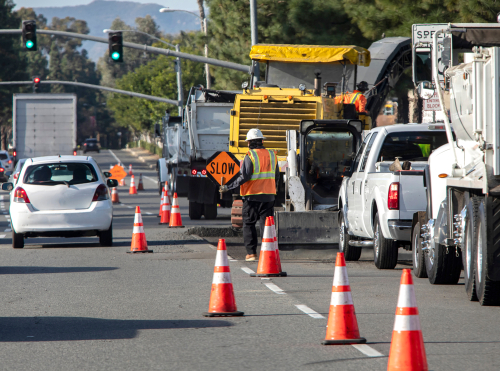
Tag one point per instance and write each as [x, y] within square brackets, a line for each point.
[251, 258]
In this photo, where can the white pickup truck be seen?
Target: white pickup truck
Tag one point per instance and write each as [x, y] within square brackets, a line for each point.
[377, 200]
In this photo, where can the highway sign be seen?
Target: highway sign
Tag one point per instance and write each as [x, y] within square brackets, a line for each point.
[117, 172]
[223, 167]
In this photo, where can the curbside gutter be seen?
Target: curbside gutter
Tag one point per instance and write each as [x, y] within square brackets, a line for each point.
[144, 156]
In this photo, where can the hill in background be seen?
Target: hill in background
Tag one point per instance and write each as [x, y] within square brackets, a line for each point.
[99, 15]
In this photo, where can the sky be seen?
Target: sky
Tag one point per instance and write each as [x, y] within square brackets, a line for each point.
[184, 4]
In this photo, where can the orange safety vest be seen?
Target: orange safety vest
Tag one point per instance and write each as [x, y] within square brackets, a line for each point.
[262, 181]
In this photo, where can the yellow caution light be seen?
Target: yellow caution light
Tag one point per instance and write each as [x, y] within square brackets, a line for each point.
[443, 175]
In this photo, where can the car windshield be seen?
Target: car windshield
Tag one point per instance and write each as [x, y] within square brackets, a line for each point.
[4, 156]
[60, 173]
[411, 146]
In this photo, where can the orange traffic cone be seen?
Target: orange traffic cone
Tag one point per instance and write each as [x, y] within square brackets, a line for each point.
[276, 249]
[132, 190]
[139, 243]
[407, 345]
[268, 266]
[175, 214]
[114, 196]
[161, 198]
[222, 302]
[110, 166]
[165, 210]
[342, 327]
[140, 186]
[122, 182]
[130, 170]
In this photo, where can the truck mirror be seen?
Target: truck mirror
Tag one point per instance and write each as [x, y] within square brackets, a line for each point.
[425, 90]
[7, 187]
[446, 53]
[157, 131]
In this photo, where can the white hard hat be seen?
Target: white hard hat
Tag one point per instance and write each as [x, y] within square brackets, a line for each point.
[254, 134]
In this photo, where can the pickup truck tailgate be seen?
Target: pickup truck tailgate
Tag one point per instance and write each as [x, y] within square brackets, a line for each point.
[412, 193]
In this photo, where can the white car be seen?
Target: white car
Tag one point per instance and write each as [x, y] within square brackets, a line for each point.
[6, 161]
[61, 196]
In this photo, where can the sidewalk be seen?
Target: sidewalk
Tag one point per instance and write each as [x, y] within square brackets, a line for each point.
[144, 156]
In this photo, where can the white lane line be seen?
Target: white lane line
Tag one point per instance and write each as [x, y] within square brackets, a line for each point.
[276, 289]
[233, 260]
[7, 216]
[247, 270]
[8, 230]
[309, 311]
[148, 213]
[367, 350]
[155, 181]
[2, 235]
[266, 279]
[113, 154]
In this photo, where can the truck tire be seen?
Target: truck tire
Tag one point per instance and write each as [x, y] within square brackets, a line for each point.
[385, 251]
[17, 240]
[195, 210]
[351, 253]
[106, 237]
[469, 238]
[488, 292]
[161, 185]
[417, 253]
[443, 268]
[210, 211]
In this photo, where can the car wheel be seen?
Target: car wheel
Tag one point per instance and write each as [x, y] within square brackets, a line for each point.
[17, 240]
[442, 264]
[385, 251]
[488, 292]
[161, 186]
[351, 253]
[195, 210]
[469, 237]
[106, 237]
[418, 255]
[210, 211]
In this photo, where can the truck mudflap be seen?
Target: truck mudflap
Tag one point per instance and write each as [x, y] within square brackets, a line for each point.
[307, 234]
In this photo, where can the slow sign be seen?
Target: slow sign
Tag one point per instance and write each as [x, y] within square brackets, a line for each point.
[222, 167]
[117, 172]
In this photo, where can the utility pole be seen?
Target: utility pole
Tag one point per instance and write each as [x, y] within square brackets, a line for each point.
[180, 91]
[255, 38]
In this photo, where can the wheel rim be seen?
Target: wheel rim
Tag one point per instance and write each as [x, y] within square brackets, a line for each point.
[376, 244]
[416, 253]
[341, 237]
[468, 249]
[479, 254]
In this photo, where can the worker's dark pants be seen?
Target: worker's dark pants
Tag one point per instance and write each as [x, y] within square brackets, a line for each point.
[253, 212]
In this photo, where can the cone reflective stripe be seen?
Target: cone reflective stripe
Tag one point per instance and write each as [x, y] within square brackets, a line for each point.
[140, 186]
[110, 166]
[165, 212]
[222, 301]
[268, 266]
[342, 327]
[276, 249]
[139, 243]
[407, 344]
[175, 214]
[130, 170]
[114, 196]
[122, 182]
[132, 190]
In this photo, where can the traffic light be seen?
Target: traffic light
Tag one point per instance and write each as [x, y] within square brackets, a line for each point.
[29, 35]
[36, 82]
[115, 41]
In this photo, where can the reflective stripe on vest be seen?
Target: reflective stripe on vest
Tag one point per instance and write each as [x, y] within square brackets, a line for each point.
[354, 98]
[262, 181]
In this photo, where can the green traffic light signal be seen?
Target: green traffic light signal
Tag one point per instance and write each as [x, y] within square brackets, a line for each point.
[115, 56]
[29, 35]
[29, 44]
[115, 44]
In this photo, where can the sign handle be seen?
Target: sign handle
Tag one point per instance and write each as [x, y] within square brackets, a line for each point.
[221, 183]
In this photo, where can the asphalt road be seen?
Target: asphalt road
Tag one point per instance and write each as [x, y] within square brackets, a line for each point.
[70, 304]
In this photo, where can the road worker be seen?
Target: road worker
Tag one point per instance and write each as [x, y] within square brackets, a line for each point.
[258, 178]
[356, 97]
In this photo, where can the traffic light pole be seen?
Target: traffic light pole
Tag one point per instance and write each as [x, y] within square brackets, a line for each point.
[98, 87]
[148, 49]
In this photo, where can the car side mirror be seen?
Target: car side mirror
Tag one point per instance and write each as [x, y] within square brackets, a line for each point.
[112, 183]
[107, 174]
[7, 187]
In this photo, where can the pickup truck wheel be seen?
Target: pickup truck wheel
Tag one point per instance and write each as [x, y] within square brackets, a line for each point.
[418, 255]
[469, 237]
[106, 237]
[488, 292]
[161, 185]
[17, 240]
[210, 211]
[351, 253]
[385, 251]
[195, 210]
[443, 265]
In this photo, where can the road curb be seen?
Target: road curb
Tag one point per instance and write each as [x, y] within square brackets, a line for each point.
[144, 157]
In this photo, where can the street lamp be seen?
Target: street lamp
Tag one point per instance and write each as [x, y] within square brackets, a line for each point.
[204, 29]
[180, 92]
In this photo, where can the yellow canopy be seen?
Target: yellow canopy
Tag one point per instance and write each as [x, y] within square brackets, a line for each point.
[310, 54]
